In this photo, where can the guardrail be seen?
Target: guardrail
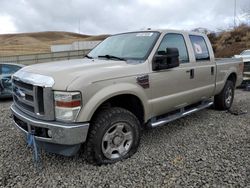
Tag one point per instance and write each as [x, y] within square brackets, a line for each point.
[43, 57]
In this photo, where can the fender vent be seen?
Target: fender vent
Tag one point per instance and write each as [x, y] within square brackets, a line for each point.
[143, 81]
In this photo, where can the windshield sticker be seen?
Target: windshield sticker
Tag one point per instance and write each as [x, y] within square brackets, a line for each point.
[144, 34]
[197, 48]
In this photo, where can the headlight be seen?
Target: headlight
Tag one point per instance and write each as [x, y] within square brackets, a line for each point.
[67, 105]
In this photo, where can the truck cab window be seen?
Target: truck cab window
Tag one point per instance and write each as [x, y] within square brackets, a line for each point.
[173, 40]
[199, 47]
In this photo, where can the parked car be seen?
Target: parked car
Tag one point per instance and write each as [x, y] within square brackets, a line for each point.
[130, 81]
[6, 71]
[245, 55]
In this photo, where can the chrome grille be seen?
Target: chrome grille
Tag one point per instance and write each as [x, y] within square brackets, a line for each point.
[36, 101]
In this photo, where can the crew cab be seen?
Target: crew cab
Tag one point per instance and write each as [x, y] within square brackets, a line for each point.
[129, 82]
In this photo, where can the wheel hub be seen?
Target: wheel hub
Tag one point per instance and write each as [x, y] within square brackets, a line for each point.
[117, 140]
[229, 96]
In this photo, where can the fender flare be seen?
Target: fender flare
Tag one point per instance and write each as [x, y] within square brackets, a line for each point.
[108, 92]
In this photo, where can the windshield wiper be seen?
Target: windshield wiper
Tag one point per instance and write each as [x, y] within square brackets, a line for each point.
[112, 57]
[88, 56]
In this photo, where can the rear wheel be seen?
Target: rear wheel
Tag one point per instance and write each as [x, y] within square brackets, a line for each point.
[114, 135]
[224, 100]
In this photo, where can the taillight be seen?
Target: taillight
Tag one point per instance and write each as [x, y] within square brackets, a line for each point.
[241, 67]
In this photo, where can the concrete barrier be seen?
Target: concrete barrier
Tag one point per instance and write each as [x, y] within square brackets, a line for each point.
[43, 57]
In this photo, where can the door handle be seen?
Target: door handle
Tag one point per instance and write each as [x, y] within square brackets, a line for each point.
[212, 70]
[191, 72]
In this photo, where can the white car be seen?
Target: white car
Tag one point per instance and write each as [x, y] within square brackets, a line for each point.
[245, 55]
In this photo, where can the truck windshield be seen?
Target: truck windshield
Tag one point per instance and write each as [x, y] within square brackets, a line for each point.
[126, 46]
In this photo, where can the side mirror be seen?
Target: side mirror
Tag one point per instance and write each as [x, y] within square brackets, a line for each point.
[166, 60]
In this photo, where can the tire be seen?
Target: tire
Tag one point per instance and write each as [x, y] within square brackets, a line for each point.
[224, 100]
[114, 135]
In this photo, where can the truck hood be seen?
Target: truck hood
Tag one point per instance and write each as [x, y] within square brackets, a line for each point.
[245, 58]
[87, 70]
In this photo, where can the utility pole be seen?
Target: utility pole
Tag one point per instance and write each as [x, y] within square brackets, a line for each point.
[79, 30]
[234, 13]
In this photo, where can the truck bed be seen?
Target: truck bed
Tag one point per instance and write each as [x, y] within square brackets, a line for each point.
[222, 67]
[246, 75]
[228, 60]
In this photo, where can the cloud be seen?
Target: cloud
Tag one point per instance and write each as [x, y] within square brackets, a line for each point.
[7, 25]
[96, 16]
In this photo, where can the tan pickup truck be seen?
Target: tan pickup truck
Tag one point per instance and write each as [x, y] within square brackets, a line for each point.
[128, 82]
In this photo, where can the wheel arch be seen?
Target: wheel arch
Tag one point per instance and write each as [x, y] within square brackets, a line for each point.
[232, 77]
[224, 99]
[124, 95]
[222, 81]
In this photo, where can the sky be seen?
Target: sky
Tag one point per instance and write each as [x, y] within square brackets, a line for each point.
[114, 16]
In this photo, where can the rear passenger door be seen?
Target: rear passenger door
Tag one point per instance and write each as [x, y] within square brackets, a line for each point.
[204, 67]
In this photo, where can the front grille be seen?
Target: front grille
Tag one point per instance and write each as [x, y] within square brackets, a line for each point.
[247, 67]
[34, 100]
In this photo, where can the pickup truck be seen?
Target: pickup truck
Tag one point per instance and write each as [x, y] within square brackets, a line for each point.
[129, 82]
[245, 55]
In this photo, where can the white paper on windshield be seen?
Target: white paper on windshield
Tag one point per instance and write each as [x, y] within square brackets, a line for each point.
[146, 34]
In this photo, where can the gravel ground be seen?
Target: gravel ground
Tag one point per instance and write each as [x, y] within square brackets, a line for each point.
[206, 149]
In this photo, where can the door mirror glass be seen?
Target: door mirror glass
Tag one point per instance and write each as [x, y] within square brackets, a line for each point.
[166, 59]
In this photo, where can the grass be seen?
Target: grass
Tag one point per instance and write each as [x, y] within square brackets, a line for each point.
[226, 44]
[229, 43]
[40, 42]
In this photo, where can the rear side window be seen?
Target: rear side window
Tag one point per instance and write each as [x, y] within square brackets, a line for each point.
[173, 40]
[200, 48]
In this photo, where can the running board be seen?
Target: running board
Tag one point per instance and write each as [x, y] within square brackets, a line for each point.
[180, 114]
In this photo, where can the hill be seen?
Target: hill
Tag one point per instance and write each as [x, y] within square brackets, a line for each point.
[40, 42]
[229, 43]
[225, 43]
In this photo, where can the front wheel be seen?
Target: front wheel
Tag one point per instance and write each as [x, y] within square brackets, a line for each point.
[224, 100]
[114, 135]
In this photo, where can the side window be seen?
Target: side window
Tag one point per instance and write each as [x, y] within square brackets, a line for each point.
[173, 40]
[200, 48]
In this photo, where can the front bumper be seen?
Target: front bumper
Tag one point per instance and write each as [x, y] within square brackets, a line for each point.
[61, 133]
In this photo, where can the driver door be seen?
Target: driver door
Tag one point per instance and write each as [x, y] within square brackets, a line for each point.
[172, 88]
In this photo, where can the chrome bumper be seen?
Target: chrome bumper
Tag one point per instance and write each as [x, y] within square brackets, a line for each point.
[61, 133]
